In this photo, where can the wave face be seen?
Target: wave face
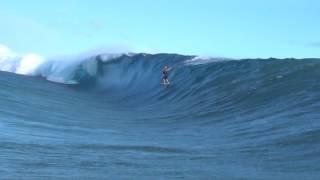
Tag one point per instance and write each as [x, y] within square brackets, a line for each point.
[109, 117]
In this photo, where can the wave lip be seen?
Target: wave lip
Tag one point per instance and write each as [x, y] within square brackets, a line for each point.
[198, 60]
[67, 70]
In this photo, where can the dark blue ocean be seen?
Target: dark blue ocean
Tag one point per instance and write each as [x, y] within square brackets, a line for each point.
[109, 118]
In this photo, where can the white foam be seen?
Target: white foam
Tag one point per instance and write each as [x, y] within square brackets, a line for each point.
[61, 69]
[20, 64]
[204, 60]
[29, 64]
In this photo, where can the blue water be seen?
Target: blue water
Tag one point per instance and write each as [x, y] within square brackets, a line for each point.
[224, 119]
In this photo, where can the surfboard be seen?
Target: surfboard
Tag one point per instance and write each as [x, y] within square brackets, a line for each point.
[166, 84]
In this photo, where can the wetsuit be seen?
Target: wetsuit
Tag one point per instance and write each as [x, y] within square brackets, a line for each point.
[165, 74]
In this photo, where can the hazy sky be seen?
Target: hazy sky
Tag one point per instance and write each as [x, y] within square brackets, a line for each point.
[229, 28]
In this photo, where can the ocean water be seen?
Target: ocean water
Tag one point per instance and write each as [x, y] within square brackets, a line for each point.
[109, 118]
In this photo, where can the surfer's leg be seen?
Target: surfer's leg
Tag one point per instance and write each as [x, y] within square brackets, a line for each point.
[165, 78]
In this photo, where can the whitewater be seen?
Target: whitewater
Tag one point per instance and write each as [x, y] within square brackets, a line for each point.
[106, 116]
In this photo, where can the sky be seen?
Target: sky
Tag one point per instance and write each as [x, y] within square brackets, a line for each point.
[223, 28]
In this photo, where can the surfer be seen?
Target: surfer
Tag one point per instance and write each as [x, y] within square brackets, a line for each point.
[165, 72]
